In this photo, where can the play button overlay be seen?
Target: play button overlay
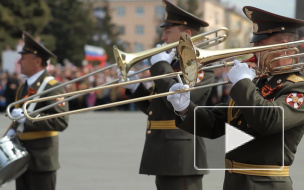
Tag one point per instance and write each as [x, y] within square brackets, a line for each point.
[226, 141]
[235, 138]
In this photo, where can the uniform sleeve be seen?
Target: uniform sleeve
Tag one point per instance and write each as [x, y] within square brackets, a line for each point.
[163, 85]
[269, 119]
[140, 92]
[54, 124]
[160, 86]
[208, 123]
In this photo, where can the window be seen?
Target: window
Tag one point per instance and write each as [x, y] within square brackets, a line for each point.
[217, 18]
[239, 25]
[159, 12]
[120, 11]
[139, 11]
[121, 29]
[159, 30]
[138, 47]
[99, 13]
[139, 29]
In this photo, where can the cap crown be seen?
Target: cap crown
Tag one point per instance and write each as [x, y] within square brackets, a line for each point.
[32, 46]
[177, 16]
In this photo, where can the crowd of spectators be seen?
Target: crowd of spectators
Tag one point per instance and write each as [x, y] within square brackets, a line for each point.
[10, 78]
[68, 71]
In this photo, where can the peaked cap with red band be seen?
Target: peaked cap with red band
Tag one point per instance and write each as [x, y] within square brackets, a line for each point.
[266, 23]
[31, 46]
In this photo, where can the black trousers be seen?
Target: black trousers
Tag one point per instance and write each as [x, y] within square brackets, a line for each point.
[240, 182]
[32, 180]
[194, 182]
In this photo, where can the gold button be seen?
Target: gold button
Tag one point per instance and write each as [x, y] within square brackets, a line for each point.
[38, 83]
[239, 122]
[149, 131]
[150, 112]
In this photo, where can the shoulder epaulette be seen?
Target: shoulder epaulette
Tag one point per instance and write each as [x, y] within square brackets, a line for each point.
[295, 78]
[52, 82]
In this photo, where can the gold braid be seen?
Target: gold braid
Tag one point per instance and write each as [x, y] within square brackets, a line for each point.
[229, 113]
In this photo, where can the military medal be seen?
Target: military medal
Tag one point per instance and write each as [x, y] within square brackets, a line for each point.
[60, 99]
[200, 76]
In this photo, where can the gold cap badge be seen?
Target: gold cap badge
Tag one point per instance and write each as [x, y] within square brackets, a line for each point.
[248, 13]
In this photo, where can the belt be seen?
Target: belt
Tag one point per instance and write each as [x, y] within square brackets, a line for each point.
[37, 135]
[166, 124]
[270, 170]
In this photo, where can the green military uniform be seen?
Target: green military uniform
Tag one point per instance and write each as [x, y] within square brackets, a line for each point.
[169, 152]
[36, 144]
[41, 138]
[265, 124]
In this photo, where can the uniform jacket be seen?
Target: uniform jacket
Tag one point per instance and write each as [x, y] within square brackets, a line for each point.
[44, 151]
[265, 124]
[170, 151]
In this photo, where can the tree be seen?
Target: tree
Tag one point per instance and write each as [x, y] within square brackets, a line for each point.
[17, 16]
[191, 6]
[72, 26]
[107, 34]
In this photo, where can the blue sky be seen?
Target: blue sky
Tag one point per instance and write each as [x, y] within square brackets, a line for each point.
[281, 7]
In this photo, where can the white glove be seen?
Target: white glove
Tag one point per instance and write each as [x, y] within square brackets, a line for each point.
[163, 56]
[179, 101]
[240, 71]
[131, 87]
[17, 112]
[11, 132]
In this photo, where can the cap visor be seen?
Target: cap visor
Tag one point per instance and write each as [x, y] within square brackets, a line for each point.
[258, 37]
[24, 51]
[164, 24]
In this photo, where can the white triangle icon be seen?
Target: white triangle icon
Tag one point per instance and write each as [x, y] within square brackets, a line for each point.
[235, 137]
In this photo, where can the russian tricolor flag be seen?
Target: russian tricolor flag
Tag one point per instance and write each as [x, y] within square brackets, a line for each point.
[94, 53]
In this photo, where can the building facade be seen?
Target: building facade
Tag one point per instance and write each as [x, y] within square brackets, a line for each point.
[138, 22]
[300, 15]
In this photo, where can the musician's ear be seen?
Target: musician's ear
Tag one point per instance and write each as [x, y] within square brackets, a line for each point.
[189, 32]
[38, 61]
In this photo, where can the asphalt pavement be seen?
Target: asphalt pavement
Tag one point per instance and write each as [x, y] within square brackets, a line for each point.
[102, 151]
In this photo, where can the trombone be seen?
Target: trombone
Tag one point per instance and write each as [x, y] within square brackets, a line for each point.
[211, 57]
[192, 58]
[125, 61]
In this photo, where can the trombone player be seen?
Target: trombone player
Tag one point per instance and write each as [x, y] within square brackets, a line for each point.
[284, 89]
[40, 139]
[168, 151]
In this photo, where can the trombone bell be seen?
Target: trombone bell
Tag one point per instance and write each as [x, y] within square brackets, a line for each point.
[121, 62]
[187, 58]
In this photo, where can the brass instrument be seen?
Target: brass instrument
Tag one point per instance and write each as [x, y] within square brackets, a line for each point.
[189, 58]
[192, 58]
[125, 61]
